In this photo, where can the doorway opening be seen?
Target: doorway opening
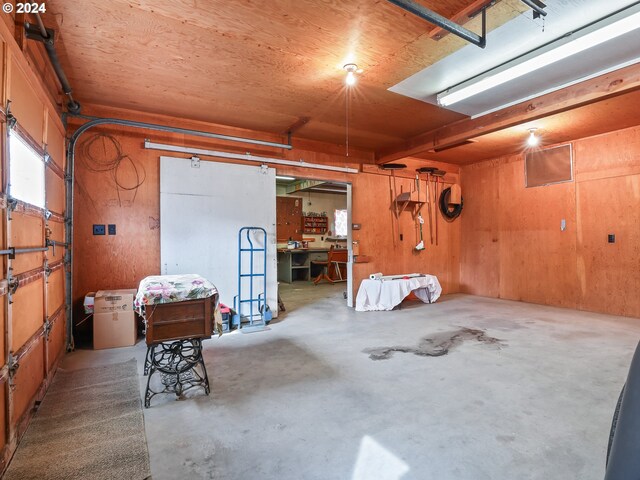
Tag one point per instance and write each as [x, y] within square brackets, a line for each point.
[314, 243]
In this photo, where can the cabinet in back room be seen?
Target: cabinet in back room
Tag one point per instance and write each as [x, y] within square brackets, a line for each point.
[288, 218]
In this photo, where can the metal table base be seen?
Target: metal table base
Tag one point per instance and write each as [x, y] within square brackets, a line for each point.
[174, 367]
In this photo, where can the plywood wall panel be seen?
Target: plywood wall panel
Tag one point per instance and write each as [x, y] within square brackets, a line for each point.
[480, 231]
[25, 104]
[55, 291]
[537, 259]
[27, 312]
[610, 155]
[538, 262]
[55, 192]
[121, 260]
[379, 235]
[609, 272]
[27, 232]
[55, 140]
[28, 379]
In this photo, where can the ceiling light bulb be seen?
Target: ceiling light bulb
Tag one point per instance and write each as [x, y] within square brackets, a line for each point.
[533, 141]
[351, 69]
[351, 79]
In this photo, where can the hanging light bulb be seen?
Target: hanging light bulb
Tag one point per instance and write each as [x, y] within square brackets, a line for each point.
[351, 69]
[533, 141]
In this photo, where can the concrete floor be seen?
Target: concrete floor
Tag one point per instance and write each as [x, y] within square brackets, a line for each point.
[302, 400]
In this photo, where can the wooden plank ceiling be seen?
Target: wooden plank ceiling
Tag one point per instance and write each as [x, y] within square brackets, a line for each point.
[260, 65]
[265, 65]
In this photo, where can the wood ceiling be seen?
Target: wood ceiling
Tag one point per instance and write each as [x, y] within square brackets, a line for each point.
[264, 65]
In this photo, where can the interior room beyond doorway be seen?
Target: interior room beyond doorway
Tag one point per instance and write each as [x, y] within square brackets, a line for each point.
[312, 233]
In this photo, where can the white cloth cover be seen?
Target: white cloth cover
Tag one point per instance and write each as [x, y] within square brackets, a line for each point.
[386, 294]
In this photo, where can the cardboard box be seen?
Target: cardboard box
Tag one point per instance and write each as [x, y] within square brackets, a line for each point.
[114, 321]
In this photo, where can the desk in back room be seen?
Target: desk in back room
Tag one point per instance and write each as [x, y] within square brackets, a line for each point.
[295, 264]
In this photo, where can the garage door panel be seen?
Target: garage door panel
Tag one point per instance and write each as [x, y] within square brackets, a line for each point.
[2, 327]
[28, 379]
[55, 141]
[2, 272]
[55, 291]
[57, 234]
[25, 105]
[56, 341]
[3, 416]
[26, 232]
[27, 312]
[54, 192]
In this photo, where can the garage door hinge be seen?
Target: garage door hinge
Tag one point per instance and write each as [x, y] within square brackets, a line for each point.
[47, 270]
[195, 162]
[12, 204]
[12, 284]
[46, 214]
[47, 328]
[13, 365]
[11, 119]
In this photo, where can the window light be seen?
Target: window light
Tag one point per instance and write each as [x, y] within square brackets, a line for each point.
[26, 172]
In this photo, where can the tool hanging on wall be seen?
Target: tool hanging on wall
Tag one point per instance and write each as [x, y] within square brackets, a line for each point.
[429, 171]
[438, 174]
[393, 167]
[420, 245]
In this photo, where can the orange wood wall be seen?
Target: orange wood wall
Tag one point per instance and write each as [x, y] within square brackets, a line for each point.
[512, 246]
[121, 261]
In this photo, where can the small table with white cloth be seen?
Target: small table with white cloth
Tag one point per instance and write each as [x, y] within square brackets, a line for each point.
[387, 292]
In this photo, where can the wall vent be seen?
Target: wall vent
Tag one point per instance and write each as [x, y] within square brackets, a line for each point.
[548, 166]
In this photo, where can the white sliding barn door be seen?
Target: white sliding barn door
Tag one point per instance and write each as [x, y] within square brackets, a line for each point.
[201, 211]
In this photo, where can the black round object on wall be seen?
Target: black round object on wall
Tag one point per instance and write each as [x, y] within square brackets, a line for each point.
[449, 214]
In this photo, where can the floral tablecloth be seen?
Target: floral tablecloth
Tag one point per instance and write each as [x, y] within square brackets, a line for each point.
[158, 289]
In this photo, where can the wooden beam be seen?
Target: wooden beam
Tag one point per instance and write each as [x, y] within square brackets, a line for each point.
[462, 17]
[21, 37]
[584, 93]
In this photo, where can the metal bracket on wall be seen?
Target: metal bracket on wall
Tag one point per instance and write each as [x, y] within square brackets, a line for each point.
[12, 204]
[47, 269]
[195, 162]
[46, 328]
[13, 365]
[11, 119]
[12, 284]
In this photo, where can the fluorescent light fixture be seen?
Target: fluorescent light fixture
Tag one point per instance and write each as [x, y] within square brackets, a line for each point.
[282, 177]
[576, 42]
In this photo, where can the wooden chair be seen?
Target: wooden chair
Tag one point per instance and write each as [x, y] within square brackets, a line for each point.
[335, 259]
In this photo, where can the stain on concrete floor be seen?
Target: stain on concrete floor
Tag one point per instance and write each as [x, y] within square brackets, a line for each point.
[437, 344]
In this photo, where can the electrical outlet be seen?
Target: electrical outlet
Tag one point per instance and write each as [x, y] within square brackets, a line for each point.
[611, 238]
[98, 229]
[112, 229]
